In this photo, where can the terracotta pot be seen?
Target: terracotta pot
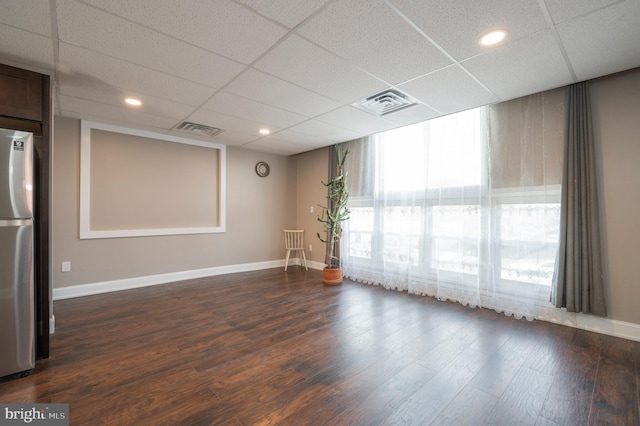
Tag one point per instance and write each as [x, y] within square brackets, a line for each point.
[332, 276]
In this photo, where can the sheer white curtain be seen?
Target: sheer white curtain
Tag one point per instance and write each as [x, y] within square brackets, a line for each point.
[463, 207]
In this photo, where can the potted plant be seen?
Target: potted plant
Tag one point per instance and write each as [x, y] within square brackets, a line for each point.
[332, 215]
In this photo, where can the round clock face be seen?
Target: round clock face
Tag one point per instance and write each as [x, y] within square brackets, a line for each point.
[262, 169]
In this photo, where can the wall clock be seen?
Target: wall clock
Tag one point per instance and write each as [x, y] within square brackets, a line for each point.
[262, 169]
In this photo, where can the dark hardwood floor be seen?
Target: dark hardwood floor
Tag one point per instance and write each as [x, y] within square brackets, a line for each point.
[271, 347]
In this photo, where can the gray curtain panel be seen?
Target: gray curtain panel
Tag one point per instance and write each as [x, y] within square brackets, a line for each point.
[579, 282]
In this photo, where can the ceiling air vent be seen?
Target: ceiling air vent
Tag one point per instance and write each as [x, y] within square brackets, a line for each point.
[197, 129]
[386, 102]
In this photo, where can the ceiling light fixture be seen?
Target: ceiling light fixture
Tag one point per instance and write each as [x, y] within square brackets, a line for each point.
[493, 37]
[133, 102]
[264, 132]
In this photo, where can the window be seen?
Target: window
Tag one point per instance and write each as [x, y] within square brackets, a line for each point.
[444, 204]
[528, 255]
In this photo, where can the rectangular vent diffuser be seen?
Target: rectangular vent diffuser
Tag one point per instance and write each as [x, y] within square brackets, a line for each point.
[386, 102]
[198, 129]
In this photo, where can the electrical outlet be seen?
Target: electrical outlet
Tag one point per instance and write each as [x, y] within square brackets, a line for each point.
[310, 247]
[311, 209]
[66, 266]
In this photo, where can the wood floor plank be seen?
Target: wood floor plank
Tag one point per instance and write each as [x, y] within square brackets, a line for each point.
[39, 386]
[352, 389]
[522, 401]
[470, 407]
[228, 403]
[268, 347]
[382, 402]
[615, 400]
[552, 341]
[569, 399]
[151, 397]
[503, 366]
[543, 421]
[429, 401]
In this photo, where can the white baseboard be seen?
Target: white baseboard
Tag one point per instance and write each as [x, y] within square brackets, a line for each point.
[131, 283]
[625, 330]
[611, 327]
[311, 264]
[315, 265]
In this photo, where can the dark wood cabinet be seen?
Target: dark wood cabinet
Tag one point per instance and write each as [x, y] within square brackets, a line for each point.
[20, 93]
[25, 104]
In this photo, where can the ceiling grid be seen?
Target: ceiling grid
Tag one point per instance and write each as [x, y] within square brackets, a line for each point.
[298, 68]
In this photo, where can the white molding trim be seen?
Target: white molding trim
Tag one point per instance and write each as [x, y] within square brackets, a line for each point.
[315, 265]
[311, 264]
[611, 327]
[146, 281]
[86, 232]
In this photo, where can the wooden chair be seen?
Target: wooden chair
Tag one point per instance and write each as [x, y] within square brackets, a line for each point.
[294, 241]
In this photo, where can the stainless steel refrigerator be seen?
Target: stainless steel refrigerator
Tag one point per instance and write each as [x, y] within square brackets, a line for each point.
[17, 314]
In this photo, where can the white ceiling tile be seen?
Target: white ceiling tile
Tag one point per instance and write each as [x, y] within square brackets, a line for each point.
[223, 27]
[293, 137]
[563, 10]
[411, 115]
[283, 144]
[311, 59]
[29, 15]
[277, 146]
[78, 62]
[85, 26]
[26, 47]
[458, 25]
[287, 12]
[84, 115]
[375, 38]
[229, 137]
[614, 35]
[90, 89]
[356, 120]
[121, 114]
[307, 65]
[529, 65]
[238, 106]
[264, 88]
[325, 131]
[448, 90]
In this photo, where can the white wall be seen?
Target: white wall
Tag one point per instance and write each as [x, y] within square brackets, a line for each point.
[312, 170]
[257, 211]
[615, 104]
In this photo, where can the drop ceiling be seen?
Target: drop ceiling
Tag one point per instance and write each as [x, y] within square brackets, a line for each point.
[297, 66]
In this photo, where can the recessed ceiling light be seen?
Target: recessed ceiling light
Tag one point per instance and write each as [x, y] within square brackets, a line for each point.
[132, 101]
[264, 132]
[493, 37]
